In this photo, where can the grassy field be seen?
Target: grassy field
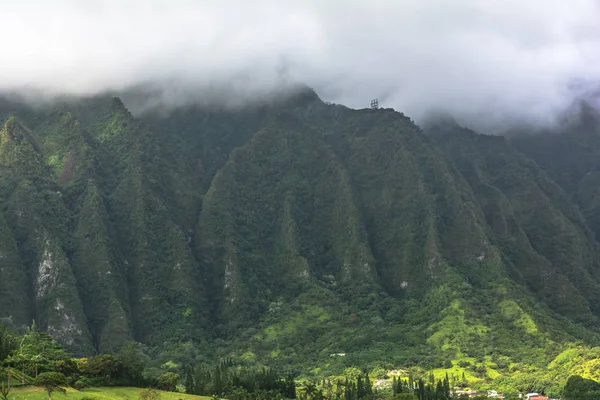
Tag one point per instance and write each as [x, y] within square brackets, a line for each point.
[101, 393]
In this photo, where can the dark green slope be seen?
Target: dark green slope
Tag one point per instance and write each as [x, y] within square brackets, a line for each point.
[14, 299]
[171, 174]
[121, 211]
[68, 150]
[203, 139]
[541, 233]
[34, 211]
[289, 231]
[425, 228]
[77, 162]
[419, 212]
[280, 211]
[151, 203]
[570, 155]
[437, 280]
[20, 156]
[102, 284]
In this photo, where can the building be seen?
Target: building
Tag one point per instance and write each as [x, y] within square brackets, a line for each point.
[537, 397]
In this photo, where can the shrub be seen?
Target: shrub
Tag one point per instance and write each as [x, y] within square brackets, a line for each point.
[378, 373]
[79, 384]
[149, 394]
[52, 382]
[168, 381]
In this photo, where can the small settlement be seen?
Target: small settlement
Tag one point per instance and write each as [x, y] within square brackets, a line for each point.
[457, 392]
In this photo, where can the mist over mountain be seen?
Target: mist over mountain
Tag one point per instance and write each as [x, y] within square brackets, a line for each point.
[485, 63]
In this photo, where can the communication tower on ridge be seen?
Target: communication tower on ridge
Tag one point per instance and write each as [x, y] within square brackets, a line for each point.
[374, 104]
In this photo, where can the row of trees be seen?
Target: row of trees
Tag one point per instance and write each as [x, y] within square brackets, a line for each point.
[361, 388]
[422, 390]
[226, 380]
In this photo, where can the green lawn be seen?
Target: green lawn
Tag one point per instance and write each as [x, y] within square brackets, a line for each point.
[100, 393]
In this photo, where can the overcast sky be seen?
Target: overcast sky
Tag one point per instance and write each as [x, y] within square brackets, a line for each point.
[520, 58]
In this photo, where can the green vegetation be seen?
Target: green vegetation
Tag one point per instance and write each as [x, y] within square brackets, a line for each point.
[227, 381]
[296, 235]
[149, 394]
[51, 382]
[5, 392]
[578, 388]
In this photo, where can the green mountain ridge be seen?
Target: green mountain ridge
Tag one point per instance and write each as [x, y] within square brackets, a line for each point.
[287, 232]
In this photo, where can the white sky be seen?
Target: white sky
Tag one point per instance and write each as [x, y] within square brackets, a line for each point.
[488, 58]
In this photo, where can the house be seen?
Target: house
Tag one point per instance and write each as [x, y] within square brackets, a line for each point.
[537, 397]
[469, 393]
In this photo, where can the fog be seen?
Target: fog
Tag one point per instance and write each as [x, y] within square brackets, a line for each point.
[487, 61]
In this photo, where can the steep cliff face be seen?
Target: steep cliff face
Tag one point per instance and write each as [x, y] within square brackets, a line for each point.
[543, 235]
[36, 215]
[279, 212]
[291, 229]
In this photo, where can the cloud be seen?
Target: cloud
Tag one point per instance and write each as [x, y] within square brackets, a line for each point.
[481, 60]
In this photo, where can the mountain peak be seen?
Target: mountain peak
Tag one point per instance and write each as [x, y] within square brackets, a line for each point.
[11, 121]
[589, 116]
[13, 129]
[302, 95]
[437, 119]
[583, 114]
[117, 105]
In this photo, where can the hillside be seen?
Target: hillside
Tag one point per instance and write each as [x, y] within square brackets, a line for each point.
[293, 230]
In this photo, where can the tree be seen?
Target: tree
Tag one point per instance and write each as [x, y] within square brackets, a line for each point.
[104, 366]
[189, 380]
[132, 364]
[8, 345]
[578, 388]
[312, 392]
[38, 352]
[52, 382]
[7, 342]
[352, 372]
[368, 387]
[168, 381]
[290, 387]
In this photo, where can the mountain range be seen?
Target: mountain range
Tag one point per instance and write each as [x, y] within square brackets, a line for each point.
[301, 234]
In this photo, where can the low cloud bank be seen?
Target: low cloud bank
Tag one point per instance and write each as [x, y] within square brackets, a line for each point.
[486, 62]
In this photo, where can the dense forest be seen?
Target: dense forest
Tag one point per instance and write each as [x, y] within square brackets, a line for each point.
[302, 236]
[34, 358]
